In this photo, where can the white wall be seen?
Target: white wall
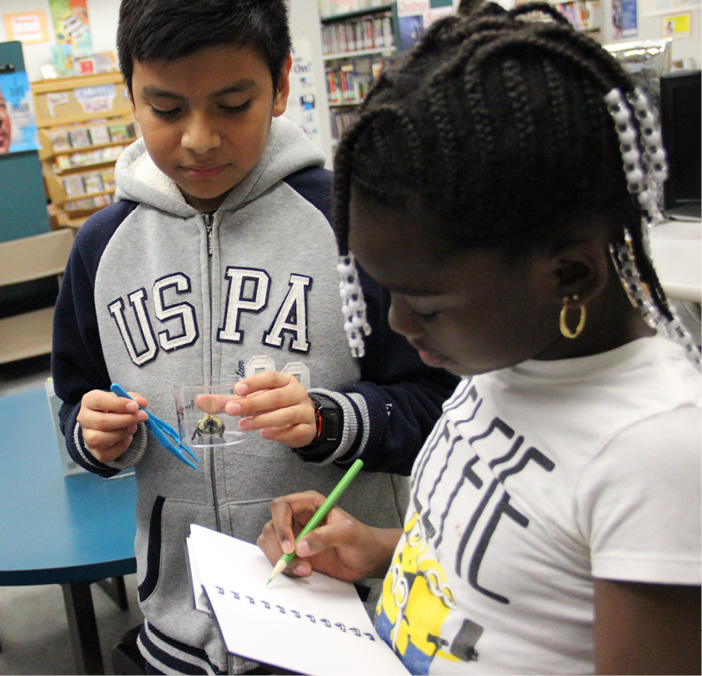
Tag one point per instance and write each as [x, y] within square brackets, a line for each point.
[304, 25]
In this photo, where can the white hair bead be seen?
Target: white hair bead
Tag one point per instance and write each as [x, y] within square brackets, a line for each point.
[621, 115]
[631, 156]
[353, 305]
[613, 97]
[627, 136]
[657, 155]
[635, 175]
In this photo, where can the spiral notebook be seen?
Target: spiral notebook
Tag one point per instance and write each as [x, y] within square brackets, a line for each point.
[314, 625]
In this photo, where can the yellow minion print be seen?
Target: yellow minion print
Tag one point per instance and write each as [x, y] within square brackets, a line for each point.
[415, 602]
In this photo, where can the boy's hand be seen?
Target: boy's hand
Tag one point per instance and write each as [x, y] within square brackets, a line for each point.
[278, 405]
[341, 546]
[108, 422]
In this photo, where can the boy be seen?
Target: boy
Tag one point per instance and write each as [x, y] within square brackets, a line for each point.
[217, 260]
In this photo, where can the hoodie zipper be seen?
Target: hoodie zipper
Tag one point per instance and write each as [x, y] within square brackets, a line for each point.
[208, 219]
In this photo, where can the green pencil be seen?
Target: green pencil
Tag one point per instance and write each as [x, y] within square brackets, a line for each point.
[284, 560]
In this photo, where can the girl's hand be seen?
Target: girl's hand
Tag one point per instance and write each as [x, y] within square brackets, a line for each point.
[278, 405]
[108, 422]
[341, 546]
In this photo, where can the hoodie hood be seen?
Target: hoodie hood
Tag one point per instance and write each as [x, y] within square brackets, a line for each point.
[288, 150]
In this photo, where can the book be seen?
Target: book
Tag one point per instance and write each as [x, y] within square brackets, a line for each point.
[314, 625]
[80, 138]
[100, 135]
[60, 140]
[73, 185]
[93, 182]
[120, 132]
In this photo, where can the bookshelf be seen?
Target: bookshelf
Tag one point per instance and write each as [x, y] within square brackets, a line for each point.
[84, 124]
[356, 46]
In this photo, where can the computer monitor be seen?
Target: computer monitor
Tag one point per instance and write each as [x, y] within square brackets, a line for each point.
[681, 122]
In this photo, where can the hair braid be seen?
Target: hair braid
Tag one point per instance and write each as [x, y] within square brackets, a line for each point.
[522, 117]
[559, 109]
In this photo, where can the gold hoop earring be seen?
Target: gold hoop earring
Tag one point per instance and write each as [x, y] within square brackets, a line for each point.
[565, 331]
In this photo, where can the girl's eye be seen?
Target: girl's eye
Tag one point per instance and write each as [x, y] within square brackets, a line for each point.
[166, 114]
[425, 316]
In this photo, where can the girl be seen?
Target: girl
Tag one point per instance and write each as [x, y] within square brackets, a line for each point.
[500, 183]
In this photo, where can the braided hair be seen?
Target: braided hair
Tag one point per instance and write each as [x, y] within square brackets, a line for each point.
[510, 130]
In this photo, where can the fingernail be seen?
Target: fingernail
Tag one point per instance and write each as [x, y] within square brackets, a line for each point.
[245, 424]
[142, 416]
[241, 389]
[299, 569]
[303, 548]
[267, 434]
[132, 406]
[233, 408]
[131, 429]
[288, 547]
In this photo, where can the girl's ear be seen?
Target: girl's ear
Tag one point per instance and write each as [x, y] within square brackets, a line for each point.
[581, 269]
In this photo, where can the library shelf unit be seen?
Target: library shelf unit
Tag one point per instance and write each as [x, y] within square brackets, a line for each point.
[84, 123]
[356, 46]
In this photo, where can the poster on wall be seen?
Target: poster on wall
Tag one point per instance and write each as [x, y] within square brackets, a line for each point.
[415, 16]
[624, 19]
[302, 105]
[676, 26]
[18, 124]
[72, 25]
[29, 28]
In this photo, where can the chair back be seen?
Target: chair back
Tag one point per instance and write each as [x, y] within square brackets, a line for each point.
[29, 258]
[29, 333]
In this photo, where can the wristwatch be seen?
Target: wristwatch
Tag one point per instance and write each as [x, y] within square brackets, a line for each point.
[329, 428]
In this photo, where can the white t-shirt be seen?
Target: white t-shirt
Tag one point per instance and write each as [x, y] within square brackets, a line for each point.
[535, 480]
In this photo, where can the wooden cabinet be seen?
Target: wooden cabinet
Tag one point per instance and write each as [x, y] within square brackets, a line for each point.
[84, 124]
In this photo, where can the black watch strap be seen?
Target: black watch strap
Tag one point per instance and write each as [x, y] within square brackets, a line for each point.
[329, 429]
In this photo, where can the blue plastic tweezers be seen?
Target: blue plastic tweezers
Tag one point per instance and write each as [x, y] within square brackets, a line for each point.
[162, 431]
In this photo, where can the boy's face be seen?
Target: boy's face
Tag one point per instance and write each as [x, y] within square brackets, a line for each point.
[206, 117]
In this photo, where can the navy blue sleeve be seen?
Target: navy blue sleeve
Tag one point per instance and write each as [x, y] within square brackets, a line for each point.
[77, 360]
[403, 396]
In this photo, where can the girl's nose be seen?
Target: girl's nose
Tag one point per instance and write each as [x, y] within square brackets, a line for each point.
[402, 320]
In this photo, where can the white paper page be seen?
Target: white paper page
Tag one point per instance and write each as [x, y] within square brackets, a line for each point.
[200, 597]
[315, 625]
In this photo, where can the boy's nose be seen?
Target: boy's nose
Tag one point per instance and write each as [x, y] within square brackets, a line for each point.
[199, 135]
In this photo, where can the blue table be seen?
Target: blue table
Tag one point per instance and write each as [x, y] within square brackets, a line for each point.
[71, 530]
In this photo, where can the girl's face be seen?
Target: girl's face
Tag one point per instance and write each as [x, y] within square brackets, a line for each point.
[468, 312]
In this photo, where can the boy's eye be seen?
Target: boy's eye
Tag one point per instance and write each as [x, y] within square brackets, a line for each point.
[166, 114]
[236, 109]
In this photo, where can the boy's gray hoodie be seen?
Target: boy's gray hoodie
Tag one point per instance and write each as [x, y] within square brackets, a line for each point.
[157, 294]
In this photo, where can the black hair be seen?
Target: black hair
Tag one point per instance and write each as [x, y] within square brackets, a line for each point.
[497, 123]
[152, 30]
